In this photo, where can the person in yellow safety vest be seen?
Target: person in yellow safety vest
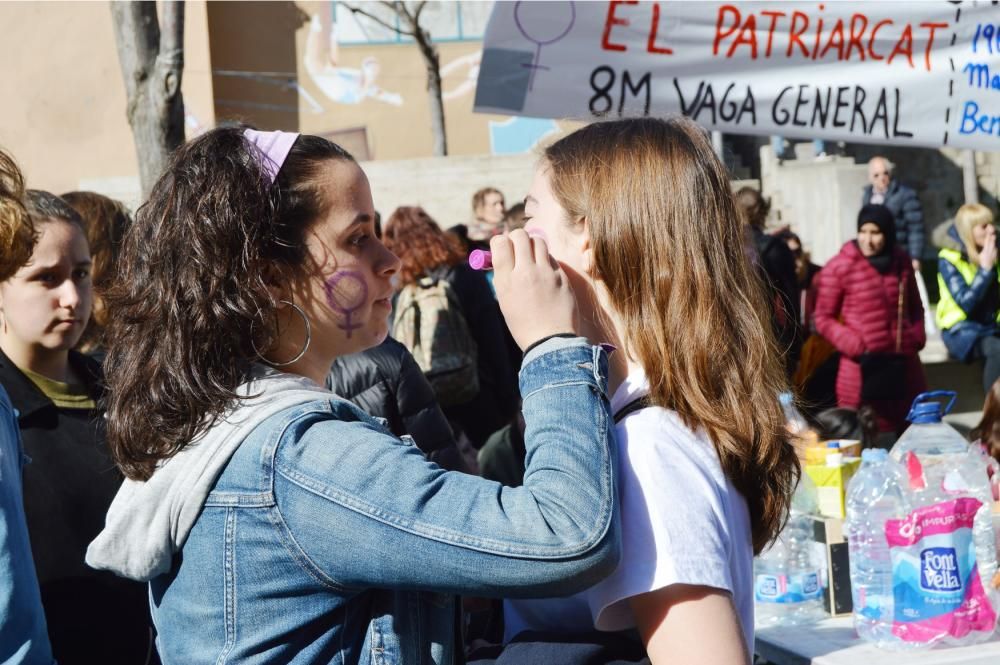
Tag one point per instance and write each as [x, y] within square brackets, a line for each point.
[969, 310]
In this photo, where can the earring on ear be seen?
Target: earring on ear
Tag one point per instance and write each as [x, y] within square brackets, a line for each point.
[305, 347]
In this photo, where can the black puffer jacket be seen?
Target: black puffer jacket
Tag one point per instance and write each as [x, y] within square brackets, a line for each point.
[498, 397]
[386, 382]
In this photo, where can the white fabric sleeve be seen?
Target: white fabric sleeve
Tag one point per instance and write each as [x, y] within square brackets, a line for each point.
[674, 528]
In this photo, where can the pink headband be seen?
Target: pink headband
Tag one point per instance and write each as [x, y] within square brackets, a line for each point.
[274, 146]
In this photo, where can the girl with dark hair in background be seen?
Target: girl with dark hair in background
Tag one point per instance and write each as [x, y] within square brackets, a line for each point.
[275, 522]
[92, 616]
[425, 251]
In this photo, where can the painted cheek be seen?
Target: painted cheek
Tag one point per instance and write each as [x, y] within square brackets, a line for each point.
[536, 232]
[346, 293]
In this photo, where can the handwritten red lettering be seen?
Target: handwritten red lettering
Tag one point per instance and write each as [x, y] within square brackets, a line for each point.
[612, 21]
[796, 37]
[719, 35]
[748, 35]
[653, 29]
[770, 30]
[819, 34]
[856, 35]
[904, 46]
[930, 41]
[871, 40]
[835, 40]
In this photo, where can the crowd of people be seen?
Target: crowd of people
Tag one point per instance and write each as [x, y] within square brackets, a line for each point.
[259, 422]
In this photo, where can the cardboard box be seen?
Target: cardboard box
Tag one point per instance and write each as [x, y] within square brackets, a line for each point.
[828, 532]
[831, 485]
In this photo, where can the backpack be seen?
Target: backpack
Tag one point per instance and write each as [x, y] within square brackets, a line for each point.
[429, 322]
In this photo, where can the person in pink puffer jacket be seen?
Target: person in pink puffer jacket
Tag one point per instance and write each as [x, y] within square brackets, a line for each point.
[858, 311]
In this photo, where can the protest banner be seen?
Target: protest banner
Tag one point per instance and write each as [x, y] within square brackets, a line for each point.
[903, 73]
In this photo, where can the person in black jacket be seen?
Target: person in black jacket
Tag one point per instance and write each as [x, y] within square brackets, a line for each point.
[425, 250]
[776, 265]
[93, 617]
[386, 382]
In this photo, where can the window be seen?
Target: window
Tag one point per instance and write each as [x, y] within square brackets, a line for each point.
[447, 21]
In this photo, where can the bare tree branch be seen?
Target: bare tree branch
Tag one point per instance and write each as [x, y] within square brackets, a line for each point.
[376, 19]
[429, 53]
[417, 12]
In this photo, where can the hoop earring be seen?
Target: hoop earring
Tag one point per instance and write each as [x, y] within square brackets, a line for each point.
[301, 353]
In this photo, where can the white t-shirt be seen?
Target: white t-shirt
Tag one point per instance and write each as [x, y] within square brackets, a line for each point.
[683, 522]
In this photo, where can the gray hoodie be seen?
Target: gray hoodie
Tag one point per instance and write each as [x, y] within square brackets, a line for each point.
[149, 521]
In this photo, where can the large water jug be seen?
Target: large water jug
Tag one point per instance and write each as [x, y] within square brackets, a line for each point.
[875, 495]
[943, 552]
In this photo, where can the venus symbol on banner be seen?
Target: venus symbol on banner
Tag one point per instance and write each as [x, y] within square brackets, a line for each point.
[523, 18]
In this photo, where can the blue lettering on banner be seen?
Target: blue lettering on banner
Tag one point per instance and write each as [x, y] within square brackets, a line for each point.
[980, 76]
[939, 569]
[973, 122]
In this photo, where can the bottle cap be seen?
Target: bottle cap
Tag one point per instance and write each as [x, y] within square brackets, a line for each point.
[874, 455]
[925, 411]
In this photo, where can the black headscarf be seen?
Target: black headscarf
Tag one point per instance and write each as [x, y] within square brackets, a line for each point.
[881, 217]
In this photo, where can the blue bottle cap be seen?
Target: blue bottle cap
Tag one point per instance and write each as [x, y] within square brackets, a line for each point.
[925, 411]
[874, 455]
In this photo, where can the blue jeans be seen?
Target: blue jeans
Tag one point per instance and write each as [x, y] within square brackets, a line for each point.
[328, 540]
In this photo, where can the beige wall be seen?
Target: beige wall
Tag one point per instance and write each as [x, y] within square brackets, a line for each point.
[63, 112]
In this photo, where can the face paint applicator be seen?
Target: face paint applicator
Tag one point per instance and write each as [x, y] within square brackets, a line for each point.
[480, 259]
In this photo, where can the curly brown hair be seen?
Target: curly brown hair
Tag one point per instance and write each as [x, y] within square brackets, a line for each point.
[17, 233]
[413, 235]
[191, 302]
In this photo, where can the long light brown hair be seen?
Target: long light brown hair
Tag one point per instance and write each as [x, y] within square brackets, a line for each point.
[668, 245]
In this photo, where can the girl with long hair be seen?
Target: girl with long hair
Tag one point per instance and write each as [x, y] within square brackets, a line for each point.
[640, 215]
[274, 522]
[425, 251]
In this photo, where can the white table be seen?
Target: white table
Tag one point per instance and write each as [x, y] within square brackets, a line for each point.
[834, 642]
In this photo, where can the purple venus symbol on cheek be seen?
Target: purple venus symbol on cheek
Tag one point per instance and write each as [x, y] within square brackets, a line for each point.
[346, 293]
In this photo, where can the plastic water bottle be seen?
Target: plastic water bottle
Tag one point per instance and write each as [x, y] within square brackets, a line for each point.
[941, 465]
[788, 580]
[875, 494]
[795, 422]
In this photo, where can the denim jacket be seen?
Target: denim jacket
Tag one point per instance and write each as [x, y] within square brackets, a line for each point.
[327, 540]
[23, 636]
